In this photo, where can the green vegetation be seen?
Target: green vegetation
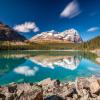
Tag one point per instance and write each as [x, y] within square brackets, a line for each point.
[38, 46]
[89, 45]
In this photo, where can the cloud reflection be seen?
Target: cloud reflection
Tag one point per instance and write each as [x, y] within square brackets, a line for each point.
[25, 70]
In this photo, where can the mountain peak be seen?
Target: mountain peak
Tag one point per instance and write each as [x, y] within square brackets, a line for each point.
[52, 31]
[70, 35]
[72, 31]
[8, 34]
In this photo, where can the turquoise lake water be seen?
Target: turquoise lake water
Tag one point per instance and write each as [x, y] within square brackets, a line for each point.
[34, 66]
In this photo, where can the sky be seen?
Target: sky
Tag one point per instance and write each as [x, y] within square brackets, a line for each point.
[31, 17]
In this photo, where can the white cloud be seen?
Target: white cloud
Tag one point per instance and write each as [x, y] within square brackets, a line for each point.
[93, 29]
[36, 29]
[71, 10]
[26, 27]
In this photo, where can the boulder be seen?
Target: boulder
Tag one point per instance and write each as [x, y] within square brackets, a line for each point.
[2, 96]
[30, 92]
[66, 91]
[81, 83]
[46, 82]
[56, 83]
[98, 60]
[75, 96]
[12, 88]
[1, 89]
[94, 85]
[22, 91]
[54, 97]
[81, 89]
[85, 97]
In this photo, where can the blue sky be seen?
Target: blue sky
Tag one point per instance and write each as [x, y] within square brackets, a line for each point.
[46, 15]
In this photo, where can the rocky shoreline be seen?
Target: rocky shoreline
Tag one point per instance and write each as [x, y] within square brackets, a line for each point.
[80, 89]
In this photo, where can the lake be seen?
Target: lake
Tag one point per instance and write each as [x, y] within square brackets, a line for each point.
[34, 66]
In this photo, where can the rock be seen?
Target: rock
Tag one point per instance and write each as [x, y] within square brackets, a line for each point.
[47, 86]
[98, 98]
[81, 83]
[22, 91]
[68, 98]
[38, 95]
[30, 92]
[85, 97]
[98, 79]
[81, 89]
[94, 85]
[12, 88]
[12, 97]
[56, 83]
[66, 91]
[1, 89]
[98, 60]
[46, 82]
[50, 87]
[54, 97]
[93, 95]
[75, 96]
[2, 96]
[85, 92]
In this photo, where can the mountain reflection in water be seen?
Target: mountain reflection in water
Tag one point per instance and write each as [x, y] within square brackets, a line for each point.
[26, 68]
[67, 62]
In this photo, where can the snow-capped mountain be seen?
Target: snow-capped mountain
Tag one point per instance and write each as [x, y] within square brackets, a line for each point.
[70, 35]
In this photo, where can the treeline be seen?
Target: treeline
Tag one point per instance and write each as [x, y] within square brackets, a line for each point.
[89, 45]
[55, 46]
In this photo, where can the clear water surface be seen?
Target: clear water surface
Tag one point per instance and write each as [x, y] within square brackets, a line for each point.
[34, 66]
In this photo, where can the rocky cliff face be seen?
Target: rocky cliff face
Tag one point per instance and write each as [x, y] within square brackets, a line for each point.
[8, 34]
[70, 35]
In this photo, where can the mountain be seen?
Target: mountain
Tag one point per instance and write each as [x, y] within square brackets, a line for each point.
[69, 36]
[8, 34]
